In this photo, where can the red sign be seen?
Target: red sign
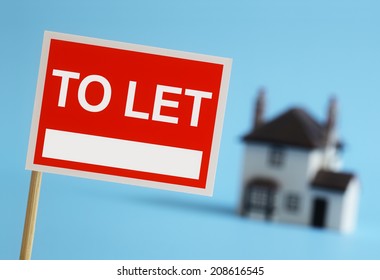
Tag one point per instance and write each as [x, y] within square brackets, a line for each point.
[128, 113]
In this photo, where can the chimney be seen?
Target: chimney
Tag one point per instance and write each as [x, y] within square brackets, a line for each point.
[331, 121]
[259, 109]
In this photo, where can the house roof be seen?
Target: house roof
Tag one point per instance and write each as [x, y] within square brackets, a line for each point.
[337, 181]
[295, 127]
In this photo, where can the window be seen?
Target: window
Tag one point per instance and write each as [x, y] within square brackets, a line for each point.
[262, 200]
[276, 156]
[259, 198]
[292, 202]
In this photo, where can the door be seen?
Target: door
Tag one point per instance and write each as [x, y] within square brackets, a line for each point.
[319, 212]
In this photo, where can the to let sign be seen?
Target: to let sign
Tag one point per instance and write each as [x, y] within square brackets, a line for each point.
[128, 113]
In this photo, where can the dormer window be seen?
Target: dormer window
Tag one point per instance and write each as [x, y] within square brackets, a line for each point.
[276, 156]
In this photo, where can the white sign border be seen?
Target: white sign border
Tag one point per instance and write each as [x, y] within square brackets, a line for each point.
[227, 64]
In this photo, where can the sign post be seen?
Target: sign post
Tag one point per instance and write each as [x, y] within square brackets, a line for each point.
[127, 113]
[31, 216]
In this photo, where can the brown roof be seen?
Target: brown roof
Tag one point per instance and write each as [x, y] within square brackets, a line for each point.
[263, 182]
[337, 181]
[294, 127]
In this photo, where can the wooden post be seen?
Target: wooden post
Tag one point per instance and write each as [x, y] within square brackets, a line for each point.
[31, 216]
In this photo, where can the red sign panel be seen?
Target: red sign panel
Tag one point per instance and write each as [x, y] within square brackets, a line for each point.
[128, 113]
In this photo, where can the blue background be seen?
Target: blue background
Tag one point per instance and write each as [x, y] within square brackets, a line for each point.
[301, 51]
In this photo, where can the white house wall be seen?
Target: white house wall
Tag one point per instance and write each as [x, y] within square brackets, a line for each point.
[294, 176]
[314, 164]
[341, 207]
[350, 205]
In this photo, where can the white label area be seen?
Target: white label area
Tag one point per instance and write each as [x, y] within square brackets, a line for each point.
[123, 154]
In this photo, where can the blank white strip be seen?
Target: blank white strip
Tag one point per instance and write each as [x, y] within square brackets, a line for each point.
[123, 154]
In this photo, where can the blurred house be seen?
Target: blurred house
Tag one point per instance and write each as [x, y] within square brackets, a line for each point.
[292, 171]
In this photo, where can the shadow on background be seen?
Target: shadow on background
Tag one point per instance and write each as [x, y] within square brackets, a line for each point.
[188, 205]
